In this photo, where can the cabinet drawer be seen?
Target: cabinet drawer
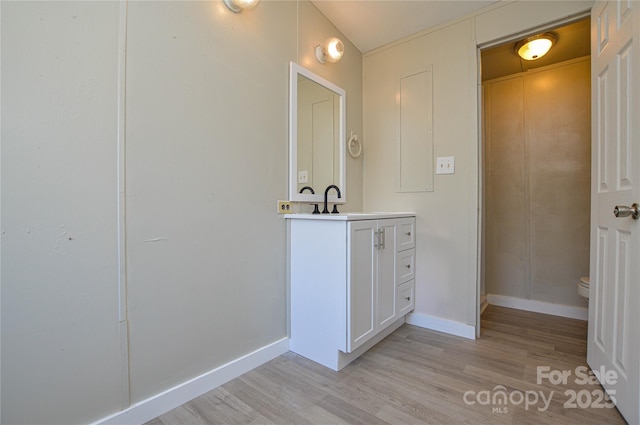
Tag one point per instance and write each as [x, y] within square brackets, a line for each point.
[405, 266]
[406, 233]
[405, 300]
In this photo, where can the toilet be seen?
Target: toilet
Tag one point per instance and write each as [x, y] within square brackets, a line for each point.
[583, 287]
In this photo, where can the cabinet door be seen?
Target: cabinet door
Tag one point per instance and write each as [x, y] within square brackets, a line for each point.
[386, 287]
[361, 293]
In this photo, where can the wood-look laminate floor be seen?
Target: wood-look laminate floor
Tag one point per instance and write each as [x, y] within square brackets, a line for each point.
[417, 376]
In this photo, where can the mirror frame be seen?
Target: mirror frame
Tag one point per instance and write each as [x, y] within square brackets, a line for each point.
[294, 71]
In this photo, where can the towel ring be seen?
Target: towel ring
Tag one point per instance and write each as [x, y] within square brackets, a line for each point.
[354, 146]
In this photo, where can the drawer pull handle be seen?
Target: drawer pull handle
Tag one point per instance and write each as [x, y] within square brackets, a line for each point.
[408, 233]
[408, 266]
[408, 298]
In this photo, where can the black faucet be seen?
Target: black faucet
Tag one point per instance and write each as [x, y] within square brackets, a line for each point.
[315, 206]
[326, 193]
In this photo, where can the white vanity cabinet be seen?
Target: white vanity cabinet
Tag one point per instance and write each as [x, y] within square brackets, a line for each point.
[352, 280]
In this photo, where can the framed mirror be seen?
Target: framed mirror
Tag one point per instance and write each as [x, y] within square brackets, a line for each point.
[316, 136]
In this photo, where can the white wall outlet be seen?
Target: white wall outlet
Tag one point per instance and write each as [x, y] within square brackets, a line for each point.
[303, 176]
[445, 165]
[284, 207]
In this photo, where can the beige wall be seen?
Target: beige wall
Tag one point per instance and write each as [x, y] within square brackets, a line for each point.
[205, 162]
[447, 260]
[60, 342]
[346, 74]
[512, 18]
[537, 167]
[506, 204]
[445, 223]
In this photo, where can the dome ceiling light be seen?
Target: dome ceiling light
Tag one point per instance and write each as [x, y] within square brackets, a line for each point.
[535, 47]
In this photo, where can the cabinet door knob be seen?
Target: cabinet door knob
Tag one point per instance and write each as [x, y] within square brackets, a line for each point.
[408, 233]
[408, 298]
[408, 266]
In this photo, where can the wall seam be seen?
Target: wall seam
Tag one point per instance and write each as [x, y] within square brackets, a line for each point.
[526, 179]
[123, 324]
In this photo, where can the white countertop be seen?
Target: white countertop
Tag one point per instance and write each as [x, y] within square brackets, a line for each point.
[349, 216]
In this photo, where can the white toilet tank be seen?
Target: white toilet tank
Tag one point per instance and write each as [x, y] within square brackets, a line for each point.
[583, 287]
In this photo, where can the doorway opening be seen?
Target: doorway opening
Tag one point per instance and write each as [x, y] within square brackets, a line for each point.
[535, 182]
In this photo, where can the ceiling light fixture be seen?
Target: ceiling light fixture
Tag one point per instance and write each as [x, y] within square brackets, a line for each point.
[332, 50]
[535, 47]
[238, 6]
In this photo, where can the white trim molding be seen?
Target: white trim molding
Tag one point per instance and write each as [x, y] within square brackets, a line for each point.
[442, 325]
[570, 311]
[161, 403]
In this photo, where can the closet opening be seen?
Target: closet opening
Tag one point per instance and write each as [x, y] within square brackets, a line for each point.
[535, 128]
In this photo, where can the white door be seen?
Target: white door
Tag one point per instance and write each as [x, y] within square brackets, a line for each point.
[614, 303]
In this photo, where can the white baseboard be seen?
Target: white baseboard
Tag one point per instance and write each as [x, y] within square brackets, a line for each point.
[483, 303]
[442, 325]
[570, 311]
[163, 402]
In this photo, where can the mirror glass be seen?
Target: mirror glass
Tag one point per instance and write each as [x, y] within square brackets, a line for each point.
[316, 136]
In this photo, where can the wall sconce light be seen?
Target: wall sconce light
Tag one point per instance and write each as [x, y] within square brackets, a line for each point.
[331, 50]
[535, 47]
[238, 6]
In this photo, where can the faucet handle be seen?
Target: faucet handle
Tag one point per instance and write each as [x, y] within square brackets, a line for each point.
[335, 209]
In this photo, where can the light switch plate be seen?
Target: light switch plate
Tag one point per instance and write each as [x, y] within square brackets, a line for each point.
[303, 176]
[445, 165]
